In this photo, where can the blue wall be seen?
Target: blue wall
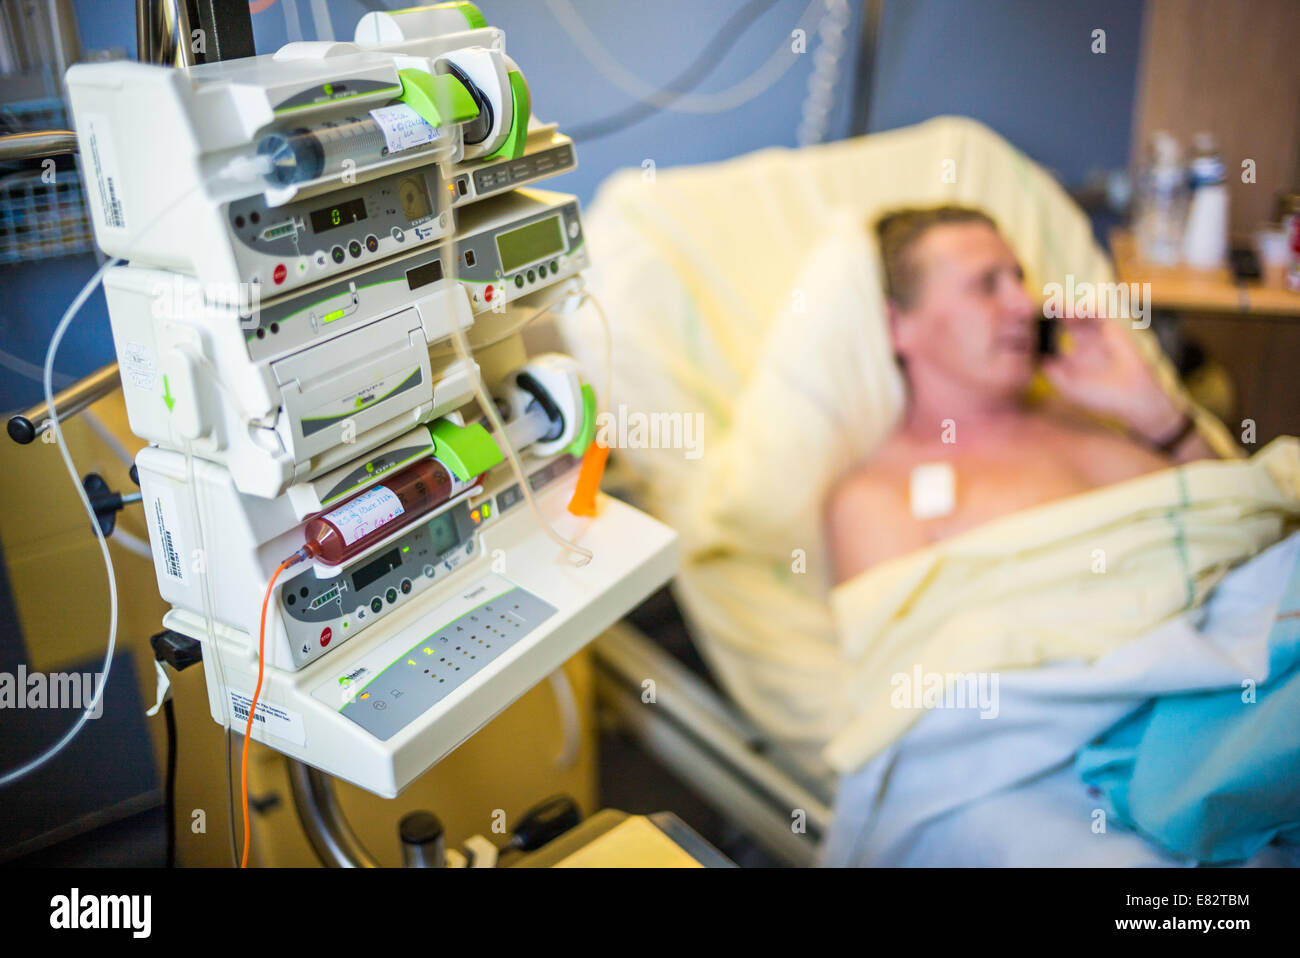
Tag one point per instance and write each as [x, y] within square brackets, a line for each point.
[1024, 67]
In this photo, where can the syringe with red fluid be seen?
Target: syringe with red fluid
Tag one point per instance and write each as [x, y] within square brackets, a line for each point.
[381, 510]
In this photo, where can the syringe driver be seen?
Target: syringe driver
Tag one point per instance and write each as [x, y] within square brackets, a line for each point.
[283, 343]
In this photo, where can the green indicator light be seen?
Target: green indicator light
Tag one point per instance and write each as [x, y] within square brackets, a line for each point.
[330, 317]
[406, 548]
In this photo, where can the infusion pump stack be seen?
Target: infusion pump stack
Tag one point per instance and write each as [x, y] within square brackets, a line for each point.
[327, 258]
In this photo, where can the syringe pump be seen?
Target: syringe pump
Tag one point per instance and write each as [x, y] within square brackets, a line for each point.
[357, 478]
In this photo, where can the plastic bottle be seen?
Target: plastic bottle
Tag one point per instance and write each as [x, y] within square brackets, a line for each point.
[381, 510]
[1205, 240]
[1162, 203]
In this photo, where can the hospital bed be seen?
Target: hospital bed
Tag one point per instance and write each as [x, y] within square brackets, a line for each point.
[699, 268]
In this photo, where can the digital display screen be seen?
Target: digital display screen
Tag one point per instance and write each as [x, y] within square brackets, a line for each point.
[430, 272]
[377, 569]
[341, 214]
[443, 531]
[413, 193]
[530, 243]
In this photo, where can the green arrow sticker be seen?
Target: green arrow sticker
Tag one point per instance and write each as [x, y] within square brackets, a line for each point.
[167, 395]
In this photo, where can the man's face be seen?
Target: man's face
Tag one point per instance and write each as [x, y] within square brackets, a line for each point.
[971, 321]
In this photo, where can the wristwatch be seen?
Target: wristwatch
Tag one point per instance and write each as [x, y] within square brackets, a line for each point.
[1170, 445]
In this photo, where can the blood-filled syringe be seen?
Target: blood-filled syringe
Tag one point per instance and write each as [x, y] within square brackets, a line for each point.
[381, 510]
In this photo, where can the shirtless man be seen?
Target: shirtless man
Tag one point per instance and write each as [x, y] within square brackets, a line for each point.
[964, 330]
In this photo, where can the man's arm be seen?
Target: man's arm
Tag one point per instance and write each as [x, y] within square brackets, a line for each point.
[868, 521]
[1105, 373]
[1173, 434]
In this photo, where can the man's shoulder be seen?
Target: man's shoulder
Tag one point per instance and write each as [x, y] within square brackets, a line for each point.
[878, 481]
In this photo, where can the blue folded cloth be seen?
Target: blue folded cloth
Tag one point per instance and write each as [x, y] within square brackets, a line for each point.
[1213, 776]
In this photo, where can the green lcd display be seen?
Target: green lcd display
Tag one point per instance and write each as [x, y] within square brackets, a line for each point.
[443, 532]
[530, 243]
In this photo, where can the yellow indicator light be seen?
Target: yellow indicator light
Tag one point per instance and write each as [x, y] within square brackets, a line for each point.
[365, 695]
[410, 661]
[428, 651]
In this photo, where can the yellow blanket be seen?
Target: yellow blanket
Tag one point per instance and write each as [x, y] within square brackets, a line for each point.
[1068, 580]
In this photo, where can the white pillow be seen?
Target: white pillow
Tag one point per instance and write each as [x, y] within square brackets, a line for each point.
[825, 392]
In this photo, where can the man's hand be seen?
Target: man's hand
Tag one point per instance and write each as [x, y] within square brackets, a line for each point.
[1104, 373]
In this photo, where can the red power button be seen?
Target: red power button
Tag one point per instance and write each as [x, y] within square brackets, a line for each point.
[325, 636]
[281, 271]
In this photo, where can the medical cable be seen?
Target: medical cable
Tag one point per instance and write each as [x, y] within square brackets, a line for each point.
[210, 633]
[95, 699]
[820, 99]
[447, 251]
[752, 86]
[73, 309]
[714, 51]
[294, 559]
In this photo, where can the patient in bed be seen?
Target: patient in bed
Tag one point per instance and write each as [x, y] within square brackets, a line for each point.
[965, 333]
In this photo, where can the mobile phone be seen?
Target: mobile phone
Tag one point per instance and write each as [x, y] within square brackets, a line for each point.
[1049, 334]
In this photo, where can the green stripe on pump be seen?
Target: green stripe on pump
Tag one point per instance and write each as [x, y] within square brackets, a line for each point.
[513, 147]
[588, 431]
[428, 95]
[473, 15]
[466, 450]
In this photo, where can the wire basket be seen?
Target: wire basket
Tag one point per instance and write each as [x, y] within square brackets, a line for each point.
[39, 219]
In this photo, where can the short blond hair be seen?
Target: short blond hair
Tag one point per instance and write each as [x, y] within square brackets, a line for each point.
[898, 232]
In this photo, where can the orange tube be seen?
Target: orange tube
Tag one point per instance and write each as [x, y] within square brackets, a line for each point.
[592, 471]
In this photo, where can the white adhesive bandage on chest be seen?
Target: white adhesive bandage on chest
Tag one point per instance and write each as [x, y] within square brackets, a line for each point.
[933, 490]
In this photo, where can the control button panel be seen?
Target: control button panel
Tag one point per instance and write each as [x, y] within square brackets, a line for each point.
[284, 246]
[395, 684]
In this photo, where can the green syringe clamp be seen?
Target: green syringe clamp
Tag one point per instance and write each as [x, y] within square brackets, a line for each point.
[588, 431]
[472, 14]
[517, 139]
[429, 94]
[467, 451]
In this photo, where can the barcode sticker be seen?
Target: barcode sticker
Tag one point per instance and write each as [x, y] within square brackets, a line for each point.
[104, 179]
[403, 128]
[271, 719]
[168, 547]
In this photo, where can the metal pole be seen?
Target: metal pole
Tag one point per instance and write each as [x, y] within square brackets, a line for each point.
[865, 72]
[333, 840]
[37, 144]
[26, 426]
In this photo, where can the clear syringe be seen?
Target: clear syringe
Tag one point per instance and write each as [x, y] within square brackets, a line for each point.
[297, 156]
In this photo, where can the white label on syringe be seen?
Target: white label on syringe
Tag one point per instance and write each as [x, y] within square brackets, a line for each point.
[403, 128]
[366, 513]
